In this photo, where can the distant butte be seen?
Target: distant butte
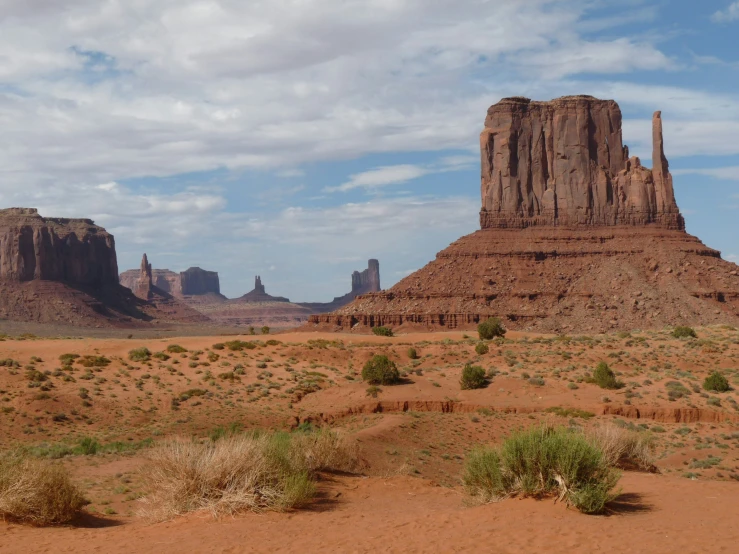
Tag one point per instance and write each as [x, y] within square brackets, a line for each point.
[576, 236]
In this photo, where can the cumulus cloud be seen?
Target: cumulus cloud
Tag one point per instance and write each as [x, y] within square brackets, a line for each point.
[731, 13]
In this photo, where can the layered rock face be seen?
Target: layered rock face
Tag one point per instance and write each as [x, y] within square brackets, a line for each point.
[74, 251]
[367, 280]
[563, 163]
[192, 282]
[575, 237]
[64, 271]
[196, 281]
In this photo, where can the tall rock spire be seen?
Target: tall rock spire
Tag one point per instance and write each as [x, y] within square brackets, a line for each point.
[145, 283]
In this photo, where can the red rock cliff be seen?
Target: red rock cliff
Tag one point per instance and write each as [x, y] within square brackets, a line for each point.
[563, 162]
[74, 251]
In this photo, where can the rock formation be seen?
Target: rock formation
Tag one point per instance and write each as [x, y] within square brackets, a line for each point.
[259, 294]
[563, 163]
[192, 282]
[74, 251]
[575, 237]
[55, 270]
[363, 282]
[144, 287]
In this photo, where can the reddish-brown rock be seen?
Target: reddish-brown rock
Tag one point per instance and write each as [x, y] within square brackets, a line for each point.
[55, 270]
[563, 163]
[191, 282]
[74, 251]
[576, 237]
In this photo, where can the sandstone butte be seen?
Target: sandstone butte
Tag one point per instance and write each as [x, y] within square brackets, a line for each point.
[57, 270]
[191, 282]
[575, 236]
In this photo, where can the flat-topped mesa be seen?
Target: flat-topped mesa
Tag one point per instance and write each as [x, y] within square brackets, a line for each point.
[74, 251]
[196, 281]
[563, 163]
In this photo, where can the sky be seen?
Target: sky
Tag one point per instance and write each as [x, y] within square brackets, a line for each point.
[295, 139]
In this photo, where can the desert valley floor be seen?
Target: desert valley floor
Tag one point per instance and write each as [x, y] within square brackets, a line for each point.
[406, 493]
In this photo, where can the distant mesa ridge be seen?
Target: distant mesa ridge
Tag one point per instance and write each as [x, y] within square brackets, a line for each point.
[63, 270]
[191, 282]
[575, 236]
[259, 294]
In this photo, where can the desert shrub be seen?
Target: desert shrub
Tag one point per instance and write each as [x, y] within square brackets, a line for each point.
[265, 330]
[176, 349]
[218, 346]
[490, 329]
[139, 354]
[257, 472]
[412, 354]
[373, 391]
[604, 377]
[675, 390]
[382, 331]
[272, 342]
[239, 345]
[682, 331]
[569, 412]
[380, 370]
[623, 447]
[542, 461]
[93, 361]
[716, 382]
[37, 491]
[481, 348]
[473, 377]
[163, 356]
[67, 359]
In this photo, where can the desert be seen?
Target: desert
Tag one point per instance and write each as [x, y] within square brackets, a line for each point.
[200, 351]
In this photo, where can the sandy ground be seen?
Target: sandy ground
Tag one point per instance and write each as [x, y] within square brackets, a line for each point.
[656, 514]
[413, 438]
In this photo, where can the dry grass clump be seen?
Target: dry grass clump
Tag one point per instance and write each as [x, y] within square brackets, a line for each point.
[246, 472]
[624, 448]
[37, 491]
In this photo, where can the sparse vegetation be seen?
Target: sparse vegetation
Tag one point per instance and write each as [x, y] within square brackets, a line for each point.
[176, 349]
[473, 377]
[380, 370]
[36, 491]
[681, 332]
[716, 382]
[604, 377]
[382, 331]
[624, 448]
[542, 461]
[412, 354]
[481, 348]
[139, 354]
[488, 330]
[265, 330]
[241, 472]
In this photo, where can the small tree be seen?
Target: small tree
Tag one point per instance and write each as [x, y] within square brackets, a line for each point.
[380, 370]
[490, 329]
[382, 331]
[716, 382]
[412, 354]
[481, 348]
[251, 330]
[473, 377]
[604, 377]
[265, 330]
[682, 331]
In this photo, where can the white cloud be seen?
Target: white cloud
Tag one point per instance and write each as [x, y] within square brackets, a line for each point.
[731, 13]
[730, 173]
[381, 177]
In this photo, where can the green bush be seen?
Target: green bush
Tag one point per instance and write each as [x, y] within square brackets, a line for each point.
[473, 377]
[265, 330]
[604, 377]
[139, 354]
[176, 349]
[380, 370]
[412, 354]
[683, 332]
[542, 461]
[490, 329]
[382, 331]
[716, 382]
[481, 348]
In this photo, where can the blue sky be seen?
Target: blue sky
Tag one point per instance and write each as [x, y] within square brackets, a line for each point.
[295, 139]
